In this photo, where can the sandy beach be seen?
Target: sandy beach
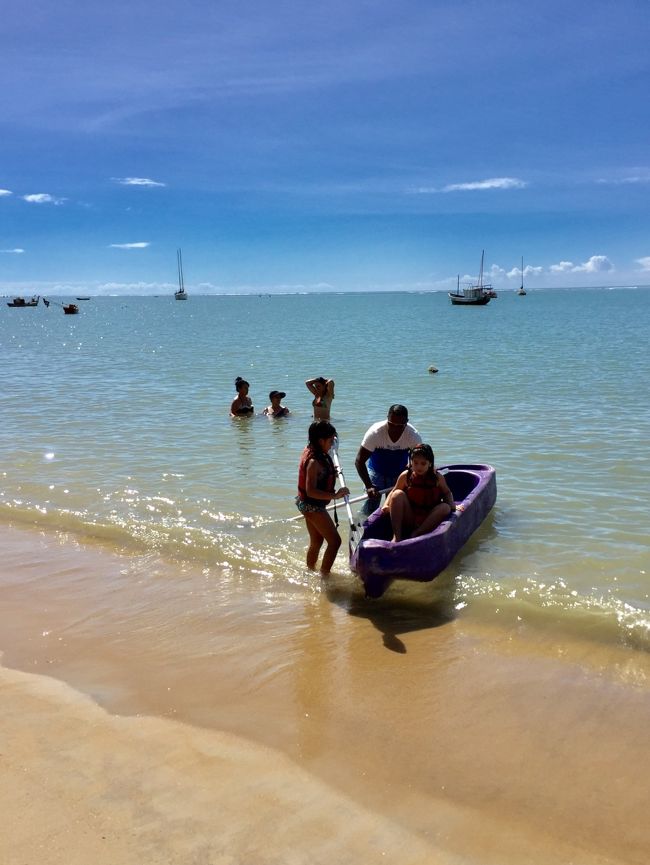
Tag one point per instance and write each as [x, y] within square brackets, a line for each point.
[370, 735]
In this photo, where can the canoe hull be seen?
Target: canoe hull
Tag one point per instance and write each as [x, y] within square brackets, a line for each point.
[378, 561]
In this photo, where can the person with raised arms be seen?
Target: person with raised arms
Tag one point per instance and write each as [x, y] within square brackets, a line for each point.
[383, 454]
[323, 390]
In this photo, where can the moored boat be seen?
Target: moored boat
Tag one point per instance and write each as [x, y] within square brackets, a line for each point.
[378, 560]
[522, 290]
[181, 294]
[473, 295]
[70, 308]
[20, 302]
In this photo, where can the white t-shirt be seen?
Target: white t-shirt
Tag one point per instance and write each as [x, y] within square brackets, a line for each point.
[386, 456]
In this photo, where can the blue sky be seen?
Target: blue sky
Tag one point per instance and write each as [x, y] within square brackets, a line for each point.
[352, 145]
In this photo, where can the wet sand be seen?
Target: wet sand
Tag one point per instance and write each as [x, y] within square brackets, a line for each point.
[142, 724]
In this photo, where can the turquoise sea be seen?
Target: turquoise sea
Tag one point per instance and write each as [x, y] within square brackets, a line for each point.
[115, 428]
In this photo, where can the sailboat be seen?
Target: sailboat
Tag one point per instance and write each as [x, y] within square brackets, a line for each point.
[473, 295]
[181, 294]
[522, 290]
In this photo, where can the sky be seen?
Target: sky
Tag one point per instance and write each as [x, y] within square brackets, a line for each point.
[347, 145]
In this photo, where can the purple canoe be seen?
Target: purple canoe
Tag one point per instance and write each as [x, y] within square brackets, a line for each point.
[379, 561]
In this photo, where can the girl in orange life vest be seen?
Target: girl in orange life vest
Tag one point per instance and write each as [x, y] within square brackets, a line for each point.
[421, 499]
[316, 481]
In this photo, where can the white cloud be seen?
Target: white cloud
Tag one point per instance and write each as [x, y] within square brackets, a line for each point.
[423, 190]
[5, 192]
[42, 198]
[596, 264]
[137, 181]
[17, 251]
[529, 270]
[636, 179]
[140, 244]
[644, 262]
[496, 272]
[562, 267]
[491, 183]
[641, 175]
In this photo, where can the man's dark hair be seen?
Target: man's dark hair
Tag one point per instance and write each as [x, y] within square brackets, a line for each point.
[399, 410]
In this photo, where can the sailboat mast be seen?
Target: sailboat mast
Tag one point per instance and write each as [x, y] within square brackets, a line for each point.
[181, 279]
[480, 277]
[522, 271]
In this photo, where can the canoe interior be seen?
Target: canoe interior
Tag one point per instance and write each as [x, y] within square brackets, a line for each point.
[461, 483]
[378, 560]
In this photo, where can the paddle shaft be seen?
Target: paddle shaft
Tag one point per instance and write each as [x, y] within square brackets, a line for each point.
[332, 505]
[339, 472]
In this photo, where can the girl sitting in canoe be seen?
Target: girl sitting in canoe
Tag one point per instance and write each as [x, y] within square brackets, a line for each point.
[316, 481]
[323, 390]
[242, 405]
[421, 499]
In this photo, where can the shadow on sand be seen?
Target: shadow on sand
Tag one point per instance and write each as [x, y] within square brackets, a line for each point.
[418, 607]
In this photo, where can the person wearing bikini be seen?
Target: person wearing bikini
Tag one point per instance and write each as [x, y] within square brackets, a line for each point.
[323, 391]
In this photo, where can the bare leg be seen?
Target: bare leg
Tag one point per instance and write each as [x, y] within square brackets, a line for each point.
[433, 519]
[315, 543]
[321, 526]
[401, 514]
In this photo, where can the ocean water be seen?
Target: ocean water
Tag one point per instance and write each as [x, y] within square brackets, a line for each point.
[115, 428]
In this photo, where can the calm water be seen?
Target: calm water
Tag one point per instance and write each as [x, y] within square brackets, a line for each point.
[115, 426]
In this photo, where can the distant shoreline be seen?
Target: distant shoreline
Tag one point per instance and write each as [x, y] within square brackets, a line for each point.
[31, 288]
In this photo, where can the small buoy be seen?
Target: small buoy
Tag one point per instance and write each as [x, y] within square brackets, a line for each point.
[433, 369]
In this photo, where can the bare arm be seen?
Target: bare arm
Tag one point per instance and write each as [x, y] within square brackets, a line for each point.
[360, 461]
[310, 384]
[447, 493]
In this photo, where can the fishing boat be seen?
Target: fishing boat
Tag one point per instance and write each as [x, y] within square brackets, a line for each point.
[473, 295]
[70, 308]
[181, 294]
[83, 298]
[522, 290]
[20, 302]
[378, 560]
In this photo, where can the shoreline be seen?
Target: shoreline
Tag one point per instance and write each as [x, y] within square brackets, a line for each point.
[471, 744]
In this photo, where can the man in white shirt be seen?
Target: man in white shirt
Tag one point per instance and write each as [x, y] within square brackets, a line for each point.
[383, 454]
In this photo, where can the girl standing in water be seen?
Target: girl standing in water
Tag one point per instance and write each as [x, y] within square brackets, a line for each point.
[242, 405]
[316, 482]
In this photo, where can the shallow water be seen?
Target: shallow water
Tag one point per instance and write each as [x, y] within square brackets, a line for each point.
[115, 427]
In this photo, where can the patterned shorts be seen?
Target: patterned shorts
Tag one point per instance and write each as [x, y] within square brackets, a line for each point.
[306, 508]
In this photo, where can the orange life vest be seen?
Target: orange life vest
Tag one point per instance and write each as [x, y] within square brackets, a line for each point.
[424, 493]
[326, 478]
